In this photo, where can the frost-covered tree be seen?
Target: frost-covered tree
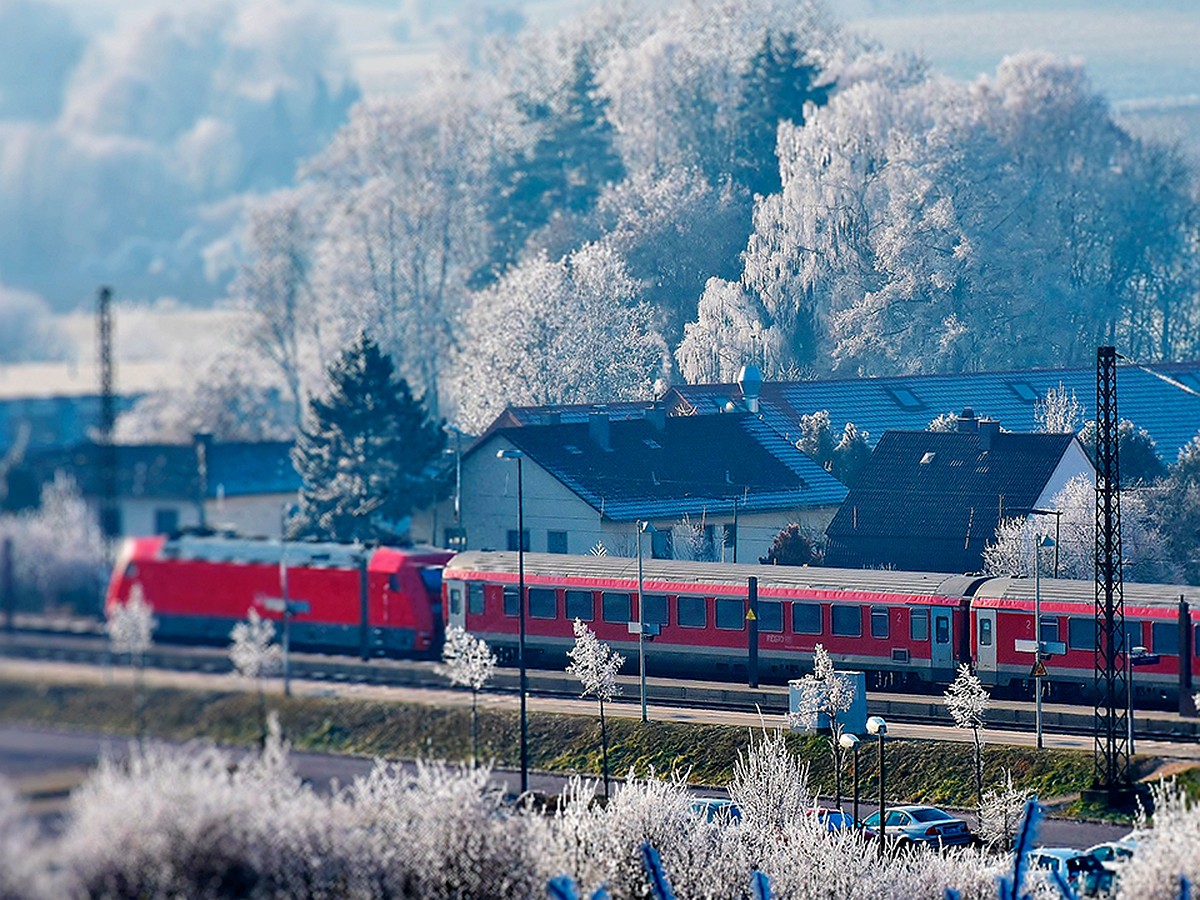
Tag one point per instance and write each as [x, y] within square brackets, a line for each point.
[824, 696]
[367, 453]
[770, 783]
[468, 662]
[1059, 412]
[255, 654]
[566, 331]
[1175, 502]
[1140, 462]
[1000, 813]
[130, 627]
[595, 664]
[968, 701]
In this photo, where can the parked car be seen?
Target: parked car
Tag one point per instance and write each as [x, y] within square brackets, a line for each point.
[1114, 854]
[840, 820]
[1084, 872]
[921, 825]
[716, 809]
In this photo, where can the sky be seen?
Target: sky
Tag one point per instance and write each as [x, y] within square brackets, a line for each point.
[91, 90]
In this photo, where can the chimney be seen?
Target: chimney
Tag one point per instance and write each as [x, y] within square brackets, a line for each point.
[656, 415]
[750, 380]
[988, 429]
[598, 427]
[967, 423]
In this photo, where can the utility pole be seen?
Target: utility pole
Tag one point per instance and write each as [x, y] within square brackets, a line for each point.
[109, 526]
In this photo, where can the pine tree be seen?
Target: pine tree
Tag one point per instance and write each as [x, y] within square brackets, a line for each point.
[367, 452]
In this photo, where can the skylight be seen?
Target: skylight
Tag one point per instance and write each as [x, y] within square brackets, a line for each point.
[928, 457]
[1024, 390]
[572, 449]
[652, 444]
[905, 398]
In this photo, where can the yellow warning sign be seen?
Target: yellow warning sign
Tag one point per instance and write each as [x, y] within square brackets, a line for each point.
[750, 616]
[1039, 670]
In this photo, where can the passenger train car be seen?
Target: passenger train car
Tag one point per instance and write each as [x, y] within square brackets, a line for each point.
[365, 600]
[904, 628]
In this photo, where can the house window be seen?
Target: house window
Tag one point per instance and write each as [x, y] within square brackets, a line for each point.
[879, 622]
[918, 625]
[731, 614]
[806, 618]
[1166, 638]
[556, 542]
[581, 605]
[692, 612]
[166, 521]
[846, 621]
[729, 535]
[456, 539]
[543, 603]
[656, 609]
[475, 601]
[661, 546]
[511, 606]
[512, 540]
[1081, 633]
[618, 608]
[770, 616]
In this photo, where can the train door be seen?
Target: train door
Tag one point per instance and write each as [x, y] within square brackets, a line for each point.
[985, 644]
[942, 654]
[456, 603]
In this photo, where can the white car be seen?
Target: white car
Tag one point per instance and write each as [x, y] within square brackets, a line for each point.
[921, 825]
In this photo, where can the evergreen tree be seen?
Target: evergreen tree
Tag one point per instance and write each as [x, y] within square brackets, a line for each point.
[775, 87]
[563, 172]
[367, 453]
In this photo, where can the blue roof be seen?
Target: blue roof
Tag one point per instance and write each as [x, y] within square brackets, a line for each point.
[909, 402]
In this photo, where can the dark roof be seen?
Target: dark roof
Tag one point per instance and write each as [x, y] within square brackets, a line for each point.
[690, 464]
[910, 402]
[169, 470]
[922, 492]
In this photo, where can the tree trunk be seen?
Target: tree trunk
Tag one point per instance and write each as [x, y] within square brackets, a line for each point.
[474, 728]
[978, 771]
[604, 748]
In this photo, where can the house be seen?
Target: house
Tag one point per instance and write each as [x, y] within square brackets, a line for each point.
[930, 501]
[243, 486]
[710, 486]
[1163, 398]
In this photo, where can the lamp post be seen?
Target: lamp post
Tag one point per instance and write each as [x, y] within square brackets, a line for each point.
[642, 527]
[877, 726]
[850, 742]
[1039, 541]
[519, 457]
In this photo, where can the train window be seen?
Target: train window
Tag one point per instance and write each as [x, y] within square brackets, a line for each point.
[1166, 638]
[1049, 629]
[770, 616]
[941, 629]
[556, 542]
[543, 603]
[692, 612]
[879, 622]
[393, 582]
[131, 570]
[1081, 633]
[846, 621]
[1133, 634]
[656, 609]
[617, 608]
[475, 600]
[731, 614]
[581, 605]
[431, 576]
[455, 601]
[806, 618]
[1197, 639]
[918, 624]
[512, 606]
[985, 632]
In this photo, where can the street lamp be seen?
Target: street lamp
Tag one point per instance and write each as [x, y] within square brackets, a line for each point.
[642, 527]
[1039, 541]
[877, 726]
[850, 742]
[519, 457]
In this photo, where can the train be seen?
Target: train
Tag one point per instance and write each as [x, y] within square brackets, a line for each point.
[372, 601]
[904, 629]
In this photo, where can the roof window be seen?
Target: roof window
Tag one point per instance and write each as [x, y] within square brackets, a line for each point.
[572, 449]
[1024, 390]
[905, 398]
[652, 443]
[928, 457]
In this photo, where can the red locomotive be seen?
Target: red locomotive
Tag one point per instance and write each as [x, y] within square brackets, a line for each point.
[902, 627]
[380, 600]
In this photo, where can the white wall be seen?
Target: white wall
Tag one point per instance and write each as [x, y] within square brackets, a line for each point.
[1074, 462]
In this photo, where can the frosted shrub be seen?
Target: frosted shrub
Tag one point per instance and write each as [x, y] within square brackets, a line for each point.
[20, 863]
[1171, 849]
[1000, 813]
[770, 783]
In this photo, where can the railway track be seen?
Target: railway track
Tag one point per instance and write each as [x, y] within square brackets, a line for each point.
[88, 646]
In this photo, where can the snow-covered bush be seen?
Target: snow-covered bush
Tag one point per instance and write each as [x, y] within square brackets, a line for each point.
[1170, 850]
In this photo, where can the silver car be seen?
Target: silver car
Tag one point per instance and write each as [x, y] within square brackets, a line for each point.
[922, 825]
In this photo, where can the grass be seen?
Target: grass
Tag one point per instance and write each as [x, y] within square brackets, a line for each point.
[917, 771]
